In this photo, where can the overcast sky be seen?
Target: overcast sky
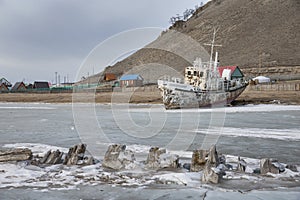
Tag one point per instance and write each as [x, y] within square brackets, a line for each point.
[39, 38]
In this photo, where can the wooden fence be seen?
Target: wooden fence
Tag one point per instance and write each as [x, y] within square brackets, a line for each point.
[148, 88]
[276, 87]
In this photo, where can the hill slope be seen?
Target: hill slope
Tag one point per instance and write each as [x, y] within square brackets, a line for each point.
[260, 36]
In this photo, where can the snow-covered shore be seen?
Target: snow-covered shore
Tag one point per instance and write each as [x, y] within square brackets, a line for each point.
[62, 177]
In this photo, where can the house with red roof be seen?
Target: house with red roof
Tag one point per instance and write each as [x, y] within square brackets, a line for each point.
[230, 73]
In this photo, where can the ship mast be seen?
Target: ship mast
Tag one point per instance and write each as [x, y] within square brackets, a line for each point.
[212, 45]
[213, 70]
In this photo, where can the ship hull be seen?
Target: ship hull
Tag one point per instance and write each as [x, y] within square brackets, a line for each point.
[180, 99]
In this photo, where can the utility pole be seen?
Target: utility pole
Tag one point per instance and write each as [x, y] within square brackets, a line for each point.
[88, 76]
[56, 79]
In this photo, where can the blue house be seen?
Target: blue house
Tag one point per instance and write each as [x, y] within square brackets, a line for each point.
[131, 80]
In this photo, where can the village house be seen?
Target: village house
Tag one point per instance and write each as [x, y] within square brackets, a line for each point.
[131, 80]
[5, 82]
[29, 86]
[110, 77]
[19, 87]
[230, 73]
[67, 84]
[3, 88]
[41, 85]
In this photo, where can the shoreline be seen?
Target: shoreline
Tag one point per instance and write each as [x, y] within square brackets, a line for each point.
[180, 177]
[153, 97]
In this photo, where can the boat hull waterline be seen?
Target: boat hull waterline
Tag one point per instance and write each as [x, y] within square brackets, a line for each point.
[178, 99]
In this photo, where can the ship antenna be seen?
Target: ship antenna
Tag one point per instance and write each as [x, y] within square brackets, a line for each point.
[212, 45]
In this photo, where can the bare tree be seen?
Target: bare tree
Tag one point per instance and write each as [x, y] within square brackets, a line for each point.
[188, 13]
[172, 20]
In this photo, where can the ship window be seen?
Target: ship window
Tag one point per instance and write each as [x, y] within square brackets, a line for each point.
[189, 72]
[201, 74]
[195, 73]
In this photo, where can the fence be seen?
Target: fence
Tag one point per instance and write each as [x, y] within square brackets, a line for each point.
[40, 90]
[276, 87]
[44, 90]
[148, 88]
[87, 88]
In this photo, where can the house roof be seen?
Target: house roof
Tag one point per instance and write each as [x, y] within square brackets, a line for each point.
[6, 82]
[17, 85]
[41, 85]
[231, 68]
[110, 76]
[3, 86]
[29, 86]
[128, 77]
[234, 70]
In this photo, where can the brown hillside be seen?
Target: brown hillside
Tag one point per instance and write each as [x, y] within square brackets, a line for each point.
[260, 36]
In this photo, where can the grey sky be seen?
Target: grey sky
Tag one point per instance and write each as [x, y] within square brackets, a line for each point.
[38, 38]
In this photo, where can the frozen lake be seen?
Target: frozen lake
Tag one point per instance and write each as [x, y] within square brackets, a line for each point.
[255, 131]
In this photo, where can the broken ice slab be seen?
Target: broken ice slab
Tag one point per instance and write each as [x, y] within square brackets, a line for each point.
[17, 154]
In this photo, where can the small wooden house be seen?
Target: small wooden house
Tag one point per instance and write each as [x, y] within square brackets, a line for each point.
[29, 86]
[3, 88]
[131, 80]
[19, 87]
[5, 82]
[110, 77]
[41, 85]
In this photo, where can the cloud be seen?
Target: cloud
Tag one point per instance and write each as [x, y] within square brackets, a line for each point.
[56, 35]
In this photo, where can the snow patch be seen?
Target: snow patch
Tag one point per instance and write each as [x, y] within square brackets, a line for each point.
[61, 177]
[281, 134]
[174, 178]
[36, 148]
[243, 109]
[286, 174]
